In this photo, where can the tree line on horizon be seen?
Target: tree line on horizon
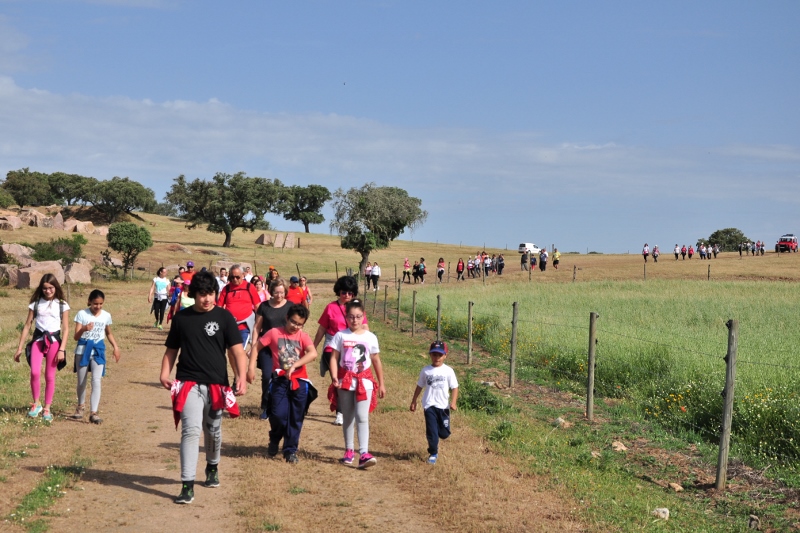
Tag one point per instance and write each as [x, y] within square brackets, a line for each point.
[366, 218]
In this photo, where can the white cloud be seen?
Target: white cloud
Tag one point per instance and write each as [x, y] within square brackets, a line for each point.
[12, 47]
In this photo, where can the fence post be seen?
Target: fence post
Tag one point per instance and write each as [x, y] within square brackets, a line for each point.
[574, 272]
[297, 265]
[385, 298]
[513, 368]
[438, 317]
[69, 298]
[448, 272]
[336, 264]
[469, 333]
[645, 271]
[399, 286]
[590, 364]
[709, 272]
[727, 409]
[530, 270]
[413, 313]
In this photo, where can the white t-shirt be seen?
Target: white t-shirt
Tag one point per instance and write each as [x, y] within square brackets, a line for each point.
[48, 316]
[355, 352]
[437, 382]
[98, 332]
[376, 270]
[161, 287]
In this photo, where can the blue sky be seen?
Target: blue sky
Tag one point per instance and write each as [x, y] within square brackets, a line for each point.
[589, 125]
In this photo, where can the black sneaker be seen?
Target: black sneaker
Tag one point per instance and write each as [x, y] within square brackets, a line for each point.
[272, 448]
[186, 495]
[212, 478]
[292, 458]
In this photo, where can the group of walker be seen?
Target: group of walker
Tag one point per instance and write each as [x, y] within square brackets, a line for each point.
[222, 320]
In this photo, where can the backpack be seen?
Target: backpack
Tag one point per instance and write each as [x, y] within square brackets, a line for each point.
[227, 291]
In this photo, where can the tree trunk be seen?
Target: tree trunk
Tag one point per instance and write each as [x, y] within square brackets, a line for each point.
[364, 259]
[227, 243]
[306, 225]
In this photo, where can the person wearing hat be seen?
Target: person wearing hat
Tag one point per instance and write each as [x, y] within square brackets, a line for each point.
[295, 294]
[186, 300]
[439, 381]
[189, 273]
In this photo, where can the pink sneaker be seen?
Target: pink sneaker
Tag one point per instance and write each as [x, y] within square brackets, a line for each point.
[349, 455]
[366, 460]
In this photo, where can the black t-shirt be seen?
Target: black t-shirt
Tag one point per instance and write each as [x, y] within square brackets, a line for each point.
[272, 317]
[203, 339]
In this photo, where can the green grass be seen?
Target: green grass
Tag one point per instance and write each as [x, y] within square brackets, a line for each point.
[660, 346]
[30, 512]
[615, 491]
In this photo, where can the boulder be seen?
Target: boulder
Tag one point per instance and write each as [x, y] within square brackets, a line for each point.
[85, 262]
[29, 216]
[78, 273]
[11, 273]
[101, 230]
[70, 223]
[224, 264]
[7, 226]
[58, 221]
[264, 239]
[83, 227]
[29, 276]
[172, 268]
[279, 239]
[13, 221]
[290, 241]
[16, 253]
[113, 262]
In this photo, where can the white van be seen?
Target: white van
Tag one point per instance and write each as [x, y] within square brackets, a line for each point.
[528, 247]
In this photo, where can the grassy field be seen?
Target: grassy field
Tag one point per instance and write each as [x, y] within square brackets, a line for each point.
[661, 345]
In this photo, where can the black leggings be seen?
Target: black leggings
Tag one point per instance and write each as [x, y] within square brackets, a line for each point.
[159, 306]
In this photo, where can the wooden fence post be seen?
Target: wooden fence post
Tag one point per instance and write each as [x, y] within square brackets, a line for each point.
[297, 265]
[448, 272]
[469, 333]
[727, 409]
[374, 302]
[336, 264]
[385, 298]
[709, 272]
[590, 364]
[413, 313]
[438, 317]
[574, 272]
[397, 324]
[645, 271]
[513, 369]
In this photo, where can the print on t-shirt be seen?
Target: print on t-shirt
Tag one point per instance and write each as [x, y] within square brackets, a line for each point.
[437, 382]
[288, 352]
[354, 356]
[211, 328]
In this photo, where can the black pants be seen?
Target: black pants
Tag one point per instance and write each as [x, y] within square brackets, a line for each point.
[437, 426]
[159, 307]
[265, 364]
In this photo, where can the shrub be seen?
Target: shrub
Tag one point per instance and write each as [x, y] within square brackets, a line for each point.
[6, 200]
[472, 396]
[67, 249]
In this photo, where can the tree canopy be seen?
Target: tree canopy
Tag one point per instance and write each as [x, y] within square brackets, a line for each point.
[303, 204]
[71, 188]
[120, 195]
[227, 202]
[368, 218]
[29, 188]
[129, 240]
[728, 239]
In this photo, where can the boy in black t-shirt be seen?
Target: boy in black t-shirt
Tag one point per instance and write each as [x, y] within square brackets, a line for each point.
[202, 334]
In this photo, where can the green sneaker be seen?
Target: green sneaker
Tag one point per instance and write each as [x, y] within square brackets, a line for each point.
[212, 478]
[186, 495]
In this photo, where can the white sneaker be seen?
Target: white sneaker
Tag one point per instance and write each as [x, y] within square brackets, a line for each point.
[339, 420]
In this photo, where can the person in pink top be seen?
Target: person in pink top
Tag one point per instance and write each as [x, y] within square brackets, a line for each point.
[333, 321]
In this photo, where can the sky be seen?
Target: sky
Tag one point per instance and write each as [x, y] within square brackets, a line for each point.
[593, 126]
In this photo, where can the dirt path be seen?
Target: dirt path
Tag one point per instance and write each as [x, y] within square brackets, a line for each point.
[134, 474]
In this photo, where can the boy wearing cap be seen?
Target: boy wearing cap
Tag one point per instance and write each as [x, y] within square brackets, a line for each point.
[189, 273]
[438, 380]
[295, 294]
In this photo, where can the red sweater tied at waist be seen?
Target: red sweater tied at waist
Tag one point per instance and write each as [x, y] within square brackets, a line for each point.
[346, 378]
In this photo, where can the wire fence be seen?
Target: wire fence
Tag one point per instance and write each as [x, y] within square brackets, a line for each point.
[645, 371]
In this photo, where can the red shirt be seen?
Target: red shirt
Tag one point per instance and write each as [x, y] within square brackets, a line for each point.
[287, 349]
[295, 295]
[241, 300]
[187, 276]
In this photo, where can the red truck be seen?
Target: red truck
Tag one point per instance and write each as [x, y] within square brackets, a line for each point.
[787, 243]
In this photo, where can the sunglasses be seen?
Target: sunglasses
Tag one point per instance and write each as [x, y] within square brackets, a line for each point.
[346, 293]
[235, 277]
